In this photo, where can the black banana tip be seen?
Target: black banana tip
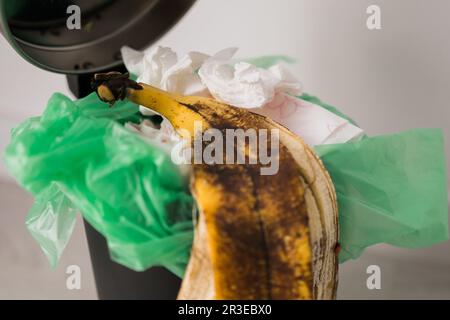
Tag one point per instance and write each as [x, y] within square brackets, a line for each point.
[112, 86]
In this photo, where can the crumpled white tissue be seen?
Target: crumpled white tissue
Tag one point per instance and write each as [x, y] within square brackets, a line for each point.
[314, 124]
[245, 85]
[270, 92]
[161, 68]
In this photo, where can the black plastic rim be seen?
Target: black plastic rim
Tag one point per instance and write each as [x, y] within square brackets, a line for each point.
[102, 53]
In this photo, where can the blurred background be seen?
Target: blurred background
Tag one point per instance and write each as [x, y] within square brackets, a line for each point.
[388, 80]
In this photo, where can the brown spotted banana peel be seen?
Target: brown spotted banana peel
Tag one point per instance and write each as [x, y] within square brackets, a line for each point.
[256, 236]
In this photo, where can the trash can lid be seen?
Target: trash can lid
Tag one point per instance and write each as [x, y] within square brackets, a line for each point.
[84, 36]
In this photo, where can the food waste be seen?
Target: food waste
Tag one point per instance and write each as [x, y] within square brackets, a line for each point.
[256, 236]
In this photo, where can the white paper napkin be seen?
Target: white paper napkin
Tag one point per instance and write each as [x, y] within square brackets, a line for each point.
[269, 92]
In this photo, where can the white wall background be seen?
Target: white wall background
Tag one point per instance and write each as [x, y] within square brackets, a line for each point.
[388, 80]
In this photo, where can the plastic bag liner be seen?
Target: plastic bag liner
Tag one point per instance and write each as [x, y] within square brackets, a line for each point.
[390, 189]
[51, 221]
[77, 155]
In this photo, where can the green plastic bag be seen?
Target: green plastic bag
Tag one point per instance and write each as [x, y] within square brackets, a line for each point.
[78, 155]
[390, 189]
[268, 61]
[51, 220]
[315, 100]
[368, 175]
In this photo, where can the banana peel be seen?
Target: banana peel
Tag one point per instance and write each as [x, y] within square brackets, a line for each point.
[256, 236]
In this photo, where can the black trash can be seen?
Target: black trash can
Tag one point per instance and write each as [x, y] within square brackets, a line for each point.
[114, 281]
[37, 30]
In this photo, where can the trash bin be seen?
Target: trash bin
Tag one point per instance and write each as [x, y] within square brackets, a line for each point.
[38, 32]
[114, 281]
